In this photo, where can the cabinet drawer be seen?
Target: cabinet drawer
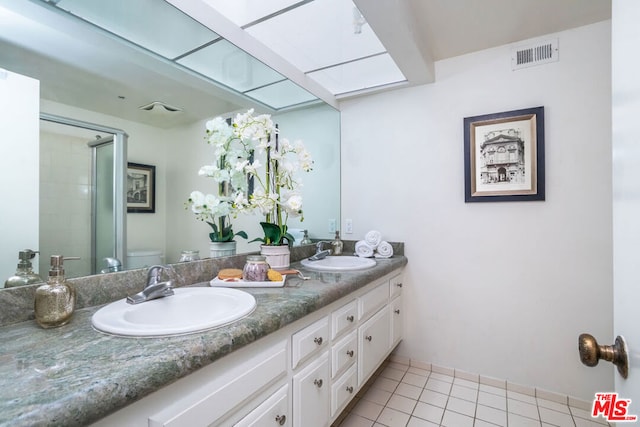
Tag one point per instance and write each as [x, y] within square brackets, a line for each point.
[343, 318]
[397, 320]
[309, 340]
[344, 353]
[272, 412]
[374, 299]
[215, 399]
[395, 286]
[343, 390]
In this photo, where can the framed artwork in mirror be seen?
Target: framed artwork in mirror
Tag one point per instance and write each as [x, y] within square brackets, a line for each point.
[504, 156]
[141, 188]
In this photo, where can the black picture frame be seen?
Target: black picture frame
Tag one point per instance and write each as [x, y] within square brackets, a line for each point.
[504, 156]
[141, 188]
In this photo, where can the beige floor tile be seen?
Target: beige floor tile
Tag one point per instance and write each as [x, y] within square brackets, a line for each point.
[434, 398]
[392, 418]
[428, 412]
[453, 419]
[401, 403]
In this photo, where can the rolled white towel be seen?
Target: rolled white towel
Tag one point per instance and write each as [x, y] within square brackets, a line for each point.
[384, 250]
[373, 238]
[363, 249]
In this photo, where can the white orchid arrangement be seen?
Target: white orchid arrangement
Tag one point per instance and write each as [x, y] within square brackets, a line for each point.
[276, 194]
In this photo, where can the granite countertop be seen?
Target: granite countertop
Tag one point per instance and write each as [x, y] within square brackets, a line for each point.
[74, 375]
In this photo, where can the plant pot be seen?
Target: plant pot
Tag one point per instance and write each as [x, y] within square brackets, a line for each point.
[277, 256]
[220, 249]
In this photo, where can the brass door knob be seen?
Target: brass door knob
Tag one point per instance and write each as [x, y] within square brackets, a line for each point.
[591, 352]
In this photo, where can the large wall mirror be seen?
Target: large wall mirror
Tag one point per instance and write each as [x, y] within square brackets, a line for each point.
[158, 75]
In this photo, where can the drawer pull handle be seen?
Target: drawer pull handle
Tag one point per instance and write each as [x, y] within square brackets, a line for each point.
[318, 340]
[318, 382]
[350, 318]
[350, 389]
[350, 353]
[281, 419]
[399, 285]
[368, 338]
[396, 311]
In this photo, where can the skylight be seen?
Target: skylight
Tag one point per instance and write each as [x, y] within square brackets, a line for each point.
[329, 40]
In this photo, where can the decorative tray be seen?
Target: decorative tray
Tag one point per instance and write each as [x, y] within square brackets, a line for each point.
[240, 283]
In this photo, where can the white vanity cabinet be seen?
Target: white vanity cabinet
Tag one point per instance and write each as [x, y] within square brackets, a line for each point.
[312, 394]
[302, 375]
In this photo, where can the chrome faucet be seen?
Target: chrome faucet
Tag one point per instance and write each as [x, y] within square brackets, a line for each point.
[113, 264]
[320, 253]
[154, 288]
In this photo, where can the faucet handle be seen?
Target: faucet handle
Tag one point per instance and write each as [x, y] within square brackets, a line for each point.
[153, 274]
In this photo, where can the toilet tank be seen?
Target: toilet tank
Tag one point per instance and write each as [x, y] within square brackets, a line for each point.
[144, 258]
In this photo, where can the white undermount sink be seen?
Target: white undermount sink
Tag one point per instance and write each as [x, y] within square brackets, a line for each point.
[189, 310]
[339, 263]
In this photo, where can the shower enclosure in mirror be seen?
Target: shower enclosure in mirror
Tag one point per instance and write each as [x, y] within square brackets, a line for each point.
[81, 194]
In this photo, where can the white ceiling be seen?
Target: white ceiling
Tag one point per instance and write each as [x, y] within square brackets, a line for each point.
[416, 33]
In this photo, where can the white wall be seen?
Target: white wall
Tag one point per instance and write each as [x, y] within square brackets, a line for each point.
[499, 289]
[19, 151]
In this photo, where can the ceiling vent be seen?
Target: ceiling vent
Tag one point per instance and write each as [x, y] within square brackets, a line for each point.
[160, 107]
[534, 54]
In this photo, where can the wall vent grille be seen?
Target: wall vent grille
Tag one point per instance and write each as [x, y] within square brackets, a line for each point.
[534, 54]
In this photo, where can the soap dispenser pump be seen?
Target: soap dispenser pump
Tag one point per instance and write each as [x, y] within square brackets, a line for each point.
[56, 300]
[24, 275]
[337, 245]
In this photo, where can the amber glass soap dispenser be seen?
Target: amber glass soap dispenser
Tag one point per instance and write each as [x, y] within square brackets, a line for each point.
[55, 300]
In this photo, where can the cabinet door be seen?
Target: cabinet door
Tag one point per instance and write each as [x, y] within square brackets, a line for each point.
[397, 320]
[373, 339]
[312, 394]
[273, 412]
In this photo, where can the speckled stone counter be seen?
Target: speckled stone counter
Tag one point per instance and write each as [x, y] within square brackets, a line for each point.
[74, 375]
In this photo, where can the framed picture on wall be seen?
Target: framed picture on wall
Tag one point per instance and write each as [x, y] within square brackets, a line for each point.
[504, 156]
[141, 188]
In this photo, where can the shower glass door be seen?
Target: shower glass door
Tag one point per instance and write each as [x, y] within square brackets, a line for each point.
[103, 190]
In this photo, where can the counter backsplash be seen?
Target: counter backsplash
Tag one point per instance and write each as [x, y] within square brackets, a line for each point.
[16, 304]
